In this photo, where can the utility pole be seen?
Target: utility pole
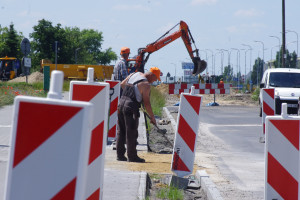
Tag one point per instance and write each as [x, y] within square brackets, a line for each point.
[283, 33]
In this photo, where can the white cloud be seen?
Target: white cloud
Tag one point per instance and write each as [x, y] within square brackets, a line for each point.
[232, 29]
[131, 8]
[248, 13]
[203, 2]
[242, 28]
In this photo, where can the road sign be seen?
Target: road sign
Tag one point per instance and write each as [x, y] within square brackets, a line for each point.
[27, 62]
[187, 65]
[25, 46]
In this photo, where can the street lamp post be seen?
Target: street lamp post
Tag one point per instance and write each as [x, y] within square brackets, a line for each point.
[297, 38]
[245, 65]
[250, 48]
[222, 58]
[76, 55]
[272, 53]
[237, 63]
[212, 59]
[175, 71]
[279, 48]
[263, 52]
[228, 59]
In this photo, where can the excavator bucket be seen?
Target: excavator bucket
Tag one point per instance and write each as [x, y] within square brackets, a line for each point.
[199, 65]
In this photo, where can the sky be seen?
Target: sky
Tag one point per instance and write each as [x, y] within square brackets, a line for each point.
[214, 25]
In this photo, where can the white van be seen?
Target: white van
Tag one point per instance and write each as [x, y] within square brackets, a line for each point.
[286, 82]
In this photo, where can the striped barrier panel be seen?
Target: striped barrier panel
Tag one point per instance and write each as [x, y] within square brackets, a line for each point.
[186, 134]
[282, 157]
[49, 146]
[268, 107]
[96, 93]
[208, 88]
[113, 114]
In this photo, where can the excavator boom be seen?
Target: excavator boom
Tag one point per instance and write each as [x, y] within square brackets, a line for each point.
[184, 33]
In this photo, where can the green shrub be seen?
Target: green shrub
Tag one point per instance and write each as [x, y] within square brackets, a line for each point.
[255, 94]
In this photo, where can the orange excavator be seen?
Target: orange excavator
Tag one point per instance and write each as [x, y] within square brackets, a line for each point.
[139, 61]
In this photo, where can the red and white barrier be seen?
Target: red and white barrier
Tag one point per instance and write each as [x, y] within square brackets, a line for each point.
[49, 146]
[208, 88]
[282, 156]
[98, 94]
[186, 134]
[268, 107]
[113, 114]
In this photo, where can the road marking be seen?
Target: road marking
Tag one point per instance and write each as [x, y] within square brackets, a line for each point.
[5, 126]
[236, 125]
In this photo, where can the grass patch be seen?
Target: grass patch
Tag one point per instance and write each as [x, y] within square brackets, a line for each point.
[66, 85]
[157, 100]
[255, 94]
[171, 193]
[8, 91]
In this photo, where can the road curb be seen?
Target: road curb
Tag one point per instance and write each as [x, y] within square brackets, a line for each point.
[173, 122]
[208, 186]
[143, 189]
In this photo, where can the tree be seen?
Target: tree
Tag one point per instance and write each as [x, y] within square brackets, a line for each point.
[10, 42]
[85, 45]
[228, 73]
[44, 37]
[290, 61]
[257, 71]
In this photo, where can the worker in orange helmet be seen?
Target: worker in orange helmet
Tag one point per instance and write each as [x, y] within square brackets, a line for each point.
[136, 91]
[221, 81]
[121, 67]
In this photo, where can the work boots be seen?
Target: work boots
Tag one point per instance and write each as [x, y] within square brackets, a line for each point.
[121, 158]
[137, 159]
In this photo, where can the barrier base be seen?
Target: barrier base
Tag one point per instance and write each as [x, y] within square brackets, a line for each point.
[178, 182]
[212, 104]
[262, 139]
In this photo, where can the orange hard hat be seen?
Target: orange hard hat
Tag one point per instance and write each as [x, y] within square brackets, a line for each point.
[156, 72]
[125, 50]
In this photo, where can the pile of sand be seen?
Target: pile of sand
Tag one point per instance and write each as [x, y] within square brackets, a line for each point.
[32, 78]
[163, 88]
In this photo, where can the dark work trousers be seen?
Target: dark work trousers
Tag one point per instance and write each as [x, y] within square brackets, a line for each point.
[128, 121]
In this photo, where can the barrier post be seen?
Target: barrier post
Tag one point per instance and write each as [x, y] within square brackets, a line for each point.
[113, 114]
[186, 134]
[98, 94]
[268, 108]
[282, 156]
[49, 146]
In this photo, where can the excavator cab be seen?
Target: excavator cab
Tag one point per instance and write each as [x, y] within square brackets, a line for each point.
[199, 65]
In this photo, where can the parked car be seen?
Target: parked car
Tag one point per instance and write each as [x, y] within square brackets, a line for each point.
[286, 82]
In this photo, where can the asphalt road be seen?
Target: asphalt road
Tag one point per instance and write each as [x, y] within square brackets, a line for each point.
[228, 148]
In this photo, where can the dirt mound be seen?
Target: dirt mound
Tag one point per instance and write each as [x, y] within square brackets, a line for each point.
[163, 88]
[32, 78]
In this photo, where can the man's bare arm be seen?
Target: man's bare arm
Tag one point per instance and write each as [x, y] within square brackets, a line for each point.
[145, 88]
